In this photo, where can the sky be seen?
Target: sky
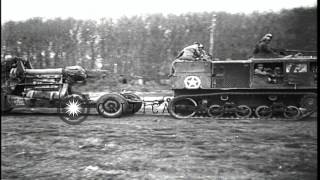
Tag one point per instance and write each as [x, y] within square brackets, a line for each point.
[18, 10]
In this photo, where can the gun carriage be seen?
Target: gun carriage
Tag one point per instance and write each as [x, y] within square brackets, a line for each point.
[23, 86]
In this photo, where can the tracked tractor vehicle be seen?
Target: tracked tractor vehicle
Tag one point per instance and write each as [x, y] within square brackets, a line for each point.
[235, 89]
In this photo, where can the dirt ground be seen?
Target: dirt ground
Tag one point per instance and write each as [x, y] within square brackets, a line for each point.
[157, 147]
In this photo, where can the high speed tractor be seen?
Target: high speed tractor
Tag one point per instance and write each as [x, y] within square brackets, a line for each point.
[262, 88]
[23, 86]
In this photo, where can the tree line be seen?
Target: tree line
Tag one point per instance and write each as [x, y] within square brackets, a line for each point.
[146, 45]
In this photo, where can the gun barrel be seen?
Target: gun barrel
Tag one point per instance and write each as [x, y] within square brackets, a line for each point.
[43, 71]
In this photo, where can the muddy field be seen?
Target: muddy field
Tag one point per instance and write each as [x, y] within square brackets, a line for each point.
[157, 147]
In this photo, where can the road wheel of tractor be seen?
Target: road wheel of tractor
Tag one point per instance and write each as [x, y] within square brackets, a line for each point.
[291, 112]
[111, 105]
[73, 109]
[263, 112]
[309, 102]
[243, 111]
[135, 106]
[215, 111]
[182, 107]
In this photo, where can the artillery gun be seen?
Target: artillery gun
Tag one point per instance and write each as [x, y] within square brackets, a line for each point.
[23, 86]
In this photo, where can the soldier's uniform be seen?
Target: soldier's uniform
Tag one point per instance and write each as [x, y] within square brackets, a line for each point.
[262, 49]
[191, 52]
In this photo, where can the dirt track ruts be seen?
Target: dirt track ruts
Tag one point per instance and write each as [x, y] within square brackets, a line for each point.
[157, 147]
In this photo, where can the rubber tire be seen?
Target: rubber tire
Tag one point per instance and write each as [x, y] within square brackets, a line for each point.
[122, 102]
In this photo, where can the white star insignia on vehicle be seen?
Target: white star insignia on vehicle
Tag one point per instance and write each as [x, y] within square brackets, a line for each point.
[192, 82]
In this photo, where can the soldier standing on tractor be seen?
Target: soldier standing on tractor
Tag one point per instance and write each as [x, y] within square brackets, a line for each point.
[262, 49]
[193, 52]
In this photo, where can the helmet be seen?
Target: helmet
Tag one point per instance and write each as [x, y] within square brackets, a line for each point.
[268, 35]
[196, 43]
[201, 46]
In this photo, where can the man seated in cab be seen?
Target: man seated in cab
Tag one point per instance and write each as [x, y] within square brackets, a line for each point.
[276, 76]
[260, 70]
[261, 74]
[273, 77]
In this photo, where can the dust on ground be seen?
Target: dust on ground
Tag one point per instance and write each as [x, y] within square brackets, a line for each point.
[157, 147]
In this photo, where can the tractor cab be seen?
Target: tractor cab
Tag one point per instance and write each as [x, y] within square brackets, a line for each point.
[298, 72]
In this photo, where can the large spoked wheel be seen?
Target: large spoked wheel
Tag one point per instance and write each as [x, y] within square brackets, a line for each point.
[111, 105]
[73, 109]
[215, 111]
[134, 106]
[182, 107]
[291, 112]
[263, 112]
[243, 111]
